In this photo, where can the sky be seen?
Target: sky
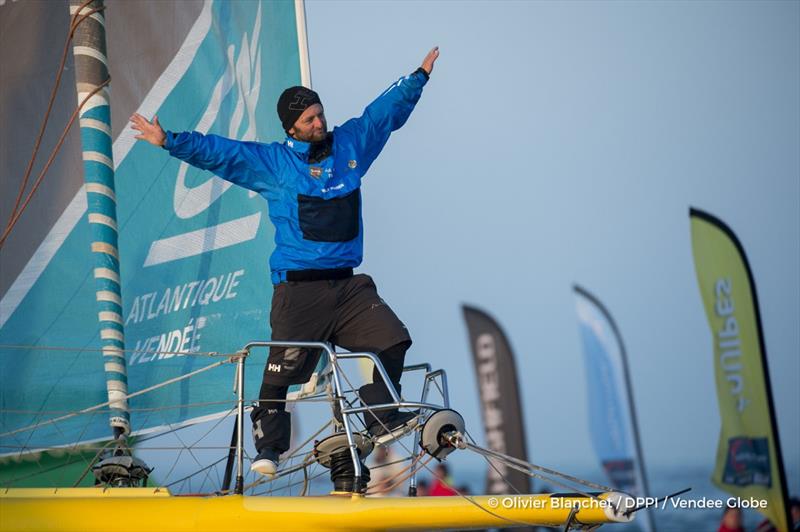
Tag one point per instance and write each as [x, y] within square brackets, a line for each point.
[561, 143]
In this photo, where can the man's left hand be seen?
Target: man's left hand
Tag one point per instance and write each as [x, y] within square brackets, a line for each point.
[430, 59]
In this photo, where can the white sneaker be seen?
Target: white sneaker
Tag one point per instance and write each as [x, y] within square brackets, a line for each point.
[266, 463]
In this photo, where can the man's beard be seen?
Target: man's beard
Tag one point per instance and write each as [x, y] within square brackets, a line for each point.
[320, 150]
[319, 136]
[313, 136]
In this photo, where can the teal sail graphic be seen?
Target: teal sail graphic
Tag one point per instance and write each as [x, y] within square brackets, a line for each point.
[193, 250]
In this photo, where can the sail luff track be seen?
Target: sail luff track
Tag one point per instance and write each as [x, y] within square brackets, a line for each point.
[91, 79]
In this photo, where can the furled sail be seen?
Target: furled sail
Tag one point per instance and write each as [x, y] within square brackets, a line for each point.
[749, 460]
[499, 393]
[612, 416]
[193, 249]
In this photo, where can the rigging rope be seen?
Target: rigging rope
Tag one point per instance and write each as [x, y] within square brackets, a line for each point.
[530, 473]
[99, 350]
[92, 461]
[425, 465]
[515, 463]
[509, 460]
[401, 476]
[291, 455]
[494, 467]
[416, 465]
[128, 396]
[73, 26]
[13, 221]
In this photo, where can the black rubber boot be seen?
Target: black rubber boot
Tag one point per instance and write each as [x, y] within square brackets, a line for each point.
[385, 425]
[376, 393]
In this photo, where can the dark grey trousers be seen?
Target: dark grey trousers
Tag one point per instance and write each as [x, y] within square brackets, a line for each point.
[346, 312]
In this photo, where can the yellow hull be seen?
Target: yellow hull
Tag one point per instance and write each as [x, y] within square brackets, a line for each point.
[141, 509]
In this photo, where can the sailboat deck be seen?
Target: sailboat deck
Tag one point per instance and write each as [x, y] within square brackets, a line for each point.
[73, 509]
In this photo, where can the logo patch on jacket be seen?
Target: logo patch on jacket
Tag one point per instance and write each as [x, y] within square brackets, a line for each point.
[315, 171]
[352, 164]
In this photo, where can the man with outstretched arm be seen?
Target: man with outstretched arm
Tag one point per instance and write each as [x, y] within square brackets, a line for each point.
[311, 182]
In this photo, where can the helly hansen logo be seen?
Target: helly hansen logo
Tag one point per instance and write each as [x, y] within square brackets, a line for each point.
[274, 367]
[257, 431]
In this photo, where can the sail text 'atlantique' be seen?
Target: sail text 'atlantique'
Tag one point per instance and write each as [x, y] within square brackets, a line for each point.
[183, 296]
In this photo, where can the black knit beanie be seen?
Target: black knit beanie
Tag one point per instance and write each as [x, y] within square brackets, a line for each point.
[293, 102]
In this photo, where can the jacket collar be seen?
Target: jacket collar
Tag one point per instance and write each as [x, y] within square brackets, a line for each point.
[312, 152]
[297, 146]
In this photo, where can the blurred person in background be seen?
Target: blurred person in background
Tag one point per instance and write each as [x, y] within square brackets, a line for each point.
[442, 482]
[731, 520]
[386, 471]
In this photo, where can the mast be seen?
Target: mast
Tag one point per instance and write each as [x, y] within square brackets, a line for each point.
[302, 43]
[91, 80]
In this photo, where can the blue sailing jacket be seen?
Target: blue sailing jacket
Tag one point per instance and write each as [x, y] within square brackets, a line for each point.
[316, 208]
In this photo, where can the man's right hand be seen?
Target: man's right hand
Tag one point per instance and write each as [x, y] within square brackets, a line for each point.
[430, 59]
[150, 131]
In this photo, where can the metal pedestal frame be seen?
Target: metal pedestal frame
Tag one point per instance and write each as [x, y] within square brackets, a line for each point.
[334, 357]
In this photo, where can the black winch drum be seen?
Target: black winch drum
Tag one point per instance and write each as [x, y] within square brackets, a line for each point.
[335, 443]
